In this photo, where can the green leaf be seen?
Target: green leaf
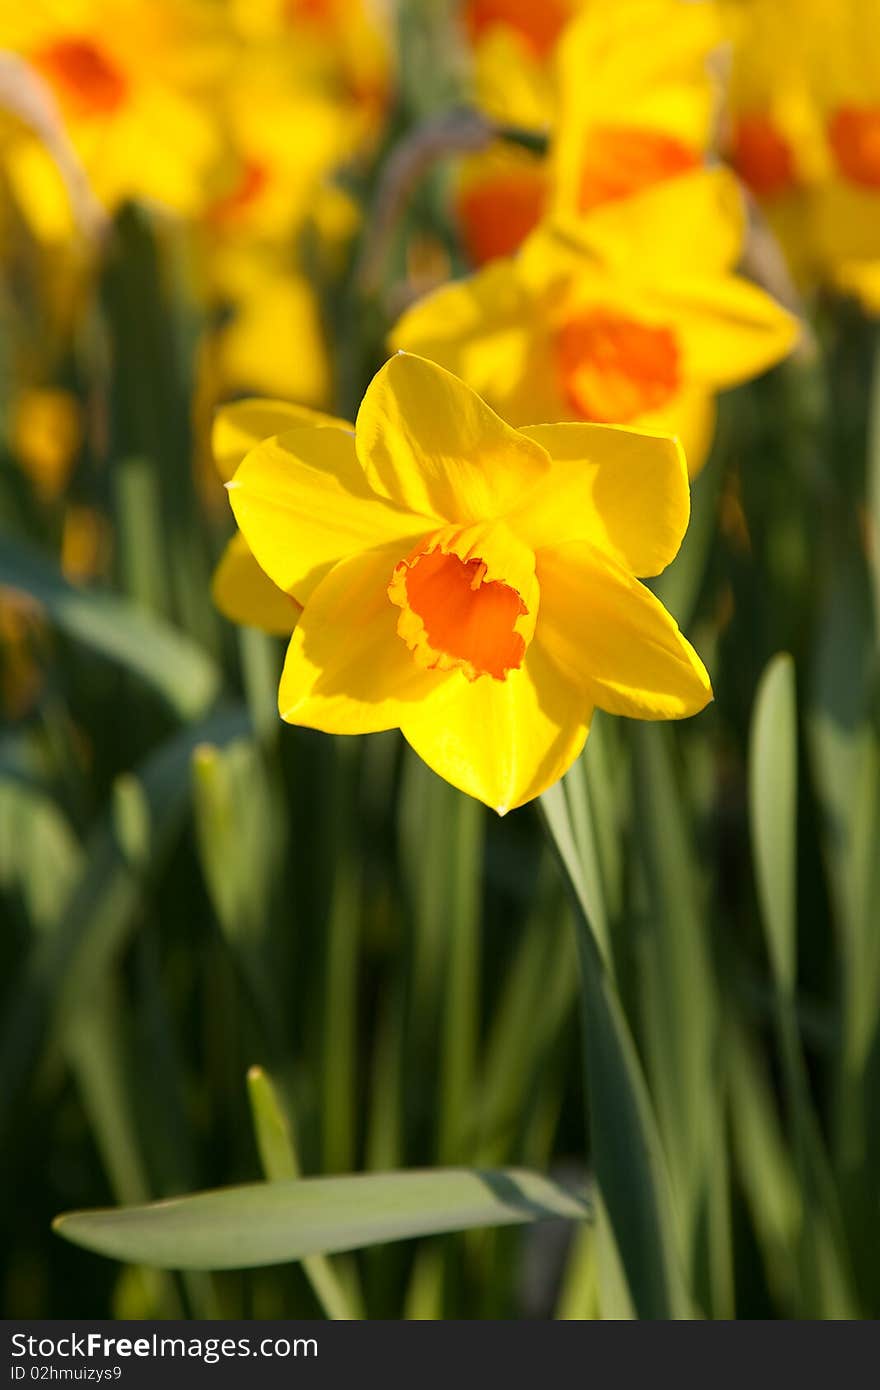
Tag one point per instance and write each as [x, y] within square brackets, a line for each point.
[678, 989]
[627, 1155]
[773, 813]
[180, 671]
[873, 483]
[280, 1163]
[272, 1223]
[105, 901]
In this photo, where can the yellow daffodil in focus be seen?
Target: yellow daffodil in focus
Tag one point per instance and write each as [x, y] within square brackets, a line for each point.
[471, 584]
[632, 317]
[130, 79]
[242, 591]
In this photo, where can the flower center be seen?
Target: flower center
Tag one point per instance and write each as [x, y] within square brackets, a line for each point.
[615, 368]
[498, 212]
[622, 160]
[854, 133]
[86, 81]
[762, 156]
[468, 599]
[538, 22]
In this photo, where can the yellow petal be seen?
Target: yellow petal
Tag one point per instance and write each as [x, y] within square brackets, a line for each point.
[271, 306]
[242, 424]
[845, 226]
[608, 632]
[513, 85]
[245, 594]
[503, 742]
[633, 48]
[861, 279]
[691, 417]
[347, 671]
[430, 444]
[729, 329]
[303, 503]
[660, 86]
[624, 491]
[160, 148]
[477, 328]
[694, 222]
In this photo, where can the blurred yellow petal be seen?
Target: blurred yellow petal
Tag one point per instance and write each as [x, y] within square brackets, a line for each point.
[625, 492]
[694, 222]
[647, 112]
[611, 635]
[347, 671]
[846, 223]
[636, 47]
[46, 434]
[242, 424]
[503, 742]
[690, 416]
[429, 443]
[513, 85]
[40, 190]
[244, 593]
[85, 542]
[729, 329]
[303, 503]
[274, 342]
[536, 28]
[861, 279]
[478, 328]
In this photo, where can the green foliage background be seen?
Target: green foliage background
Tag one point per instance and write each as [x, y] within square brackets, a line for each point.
[190, 889]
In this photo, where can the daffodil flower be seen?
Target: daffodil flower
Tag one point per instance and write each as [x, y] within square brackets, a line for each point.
[805, 134]
[630, 316]
[132, 81]
[469, 583]
[272, 302]
[646, 114]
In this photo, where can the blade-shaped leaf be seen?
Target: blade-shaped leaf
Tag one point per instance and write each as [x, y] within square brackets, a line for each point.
[773, 812]
[271, 1223]
[179, 670]
[627, 1153]
[64, 967]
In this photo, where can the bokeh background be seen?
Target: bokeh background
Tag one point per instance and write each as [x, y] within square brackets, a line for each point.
[202, 200]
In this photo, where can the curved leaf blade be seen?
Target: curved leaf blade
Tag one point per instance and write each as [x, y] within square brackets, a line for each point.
[273, 1223]
[163, 657]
